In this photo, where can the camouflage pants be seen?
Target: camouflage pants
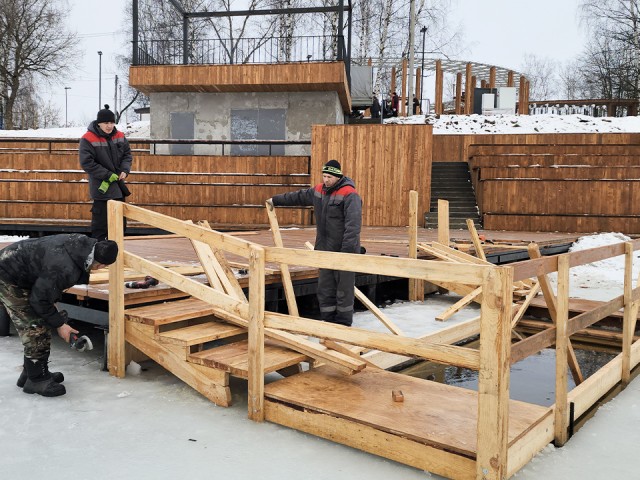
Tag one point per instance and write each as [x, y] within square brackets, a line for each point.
[34, 332]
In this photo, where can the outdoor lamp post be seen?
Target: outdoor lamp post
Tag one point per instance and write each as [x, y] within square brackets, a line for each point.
[66, 110]
[100, 80]
[423, 30]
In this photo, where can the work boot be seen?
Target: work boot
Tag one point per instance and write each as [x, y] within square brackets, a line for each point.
[40, 380]
[57, 377]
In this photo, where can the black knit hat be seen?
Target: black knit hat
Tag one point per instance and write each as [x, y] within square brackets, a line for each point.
[105, 115]
[332, 167]
[105, 252]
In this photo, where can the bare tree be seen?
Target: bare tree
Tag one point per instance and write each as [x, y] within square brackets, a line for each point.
[541, 73]
[33, 41]
[611, 60]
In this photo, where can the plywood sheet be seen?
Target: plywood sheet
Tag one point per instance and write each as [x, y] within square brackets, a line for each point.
[431, 413]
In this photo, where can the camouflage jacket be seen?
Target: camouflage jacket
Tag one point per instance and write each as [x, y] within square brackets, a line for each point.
[46, 267]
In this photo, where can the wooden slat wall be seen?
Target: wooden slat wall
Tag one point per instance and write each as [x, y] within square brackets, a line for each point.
[454, 148]
[228, 192]
[385, 161]
[577, 187]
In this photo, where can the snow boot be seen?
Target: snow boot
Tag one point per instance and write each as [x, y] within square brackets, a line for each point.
[40, 380]
[57, 377]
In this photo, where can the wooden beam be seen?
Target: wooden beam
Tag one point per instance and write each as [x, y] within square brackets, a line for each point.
[439, 88]
[458, 106]
[447, 354]
[463, 302]
[477, 244]
[630, 314]
[443, 222]
[416, 287]
[398, 267]
[493, 377]
[561, 422]
[116, 339]
[255, 374]
[550, 298]
[468, 89]
[285, 275]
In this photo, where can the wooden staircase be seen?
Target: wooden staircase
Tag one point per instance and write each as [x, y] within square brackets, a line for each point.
[187, 339]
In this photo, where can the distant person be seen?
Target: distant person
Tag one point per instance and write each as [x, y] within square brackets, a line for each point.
[375, 108]
[416, 105]
[395, 103]
[338, 211]
[33, 275]
[105, 155]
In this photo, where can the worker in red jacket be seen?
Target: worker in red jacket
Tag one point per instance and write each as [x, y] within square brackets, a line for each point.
[105, 155]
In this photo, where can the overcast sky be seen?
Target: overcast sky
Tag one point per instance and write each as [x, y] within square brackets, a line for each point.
[498, 32]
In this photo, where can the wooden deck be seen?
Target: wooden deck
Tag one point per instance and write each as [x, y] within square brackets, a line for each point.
[379, 241]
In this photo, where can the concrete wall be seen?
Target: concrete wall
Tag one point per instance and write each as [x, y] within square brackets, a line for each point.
[212, 113]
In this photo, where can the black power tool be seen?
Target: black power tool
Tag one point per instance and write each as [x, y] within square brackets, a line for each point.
[80, 342]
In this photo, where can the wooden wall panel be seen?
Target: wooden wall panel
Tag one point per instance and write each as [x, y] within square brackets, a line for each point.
[385, 161]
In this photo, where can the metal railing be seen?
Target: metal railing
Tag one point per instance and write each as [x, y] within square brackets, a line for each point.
[239, 51]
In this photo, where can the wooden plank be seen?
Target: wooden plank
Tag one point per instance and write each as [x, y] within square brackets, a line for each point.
[169, 312]
[463, 302]
[212, 383]
[493, 378]
[256, 354]
[446, 354]
[416, 287]
[199, 334]
[372, 440]
[550, 298]
[434, 414]
[116, 341]
[476, 240]
[561, 411]
[443, 222]
[526, 447]
[290, 295]
[234, 358]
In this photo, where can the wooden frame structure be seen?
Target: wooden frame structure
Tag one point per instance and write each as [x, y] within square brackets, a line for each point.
[501, 446]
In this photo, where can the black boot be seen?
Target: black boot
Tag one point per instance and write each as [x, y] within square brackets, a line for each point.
[40, 380]
[57, 377]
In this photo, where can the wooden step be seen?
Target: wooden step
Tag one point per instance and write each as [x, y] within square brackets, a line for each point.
[169, 312]
[234, 358]
[199, 334]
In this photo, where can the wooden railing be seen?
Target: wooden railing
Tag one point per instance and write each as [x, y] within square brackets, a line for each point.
[496, 457]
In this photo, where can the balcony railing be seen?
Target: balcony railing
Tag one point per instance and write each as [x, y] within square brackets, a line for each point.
[240, 51]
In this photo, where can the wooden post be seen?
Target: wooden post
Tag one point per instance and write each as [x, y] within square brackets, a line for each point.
[285, 275]
[493, 377]
[510, 81]
[468, 94]
[403, 96]
[393, 79]
[550, 299]
[483, 83]
[116, 338]
[416, 286]
[439, 87]
[562, 346]
[521, 100]
[417, 91]
[492, 77]
[476, 240]
[526, 98]
[256, 333]
[630, 314]
[443, 222]
[473, 89]
[459, 93]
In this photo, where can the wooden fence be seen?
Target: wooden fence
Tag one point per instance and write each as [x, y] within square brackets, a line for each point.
[386, 161]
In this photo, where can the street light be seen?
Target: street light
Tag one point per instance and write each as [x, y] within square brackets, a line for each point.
[100, 80]
[423, 30]
[66, 110]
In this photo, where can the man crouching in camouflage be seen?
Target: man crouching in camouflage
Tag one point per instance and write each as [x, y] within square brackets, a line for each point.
[33, 275]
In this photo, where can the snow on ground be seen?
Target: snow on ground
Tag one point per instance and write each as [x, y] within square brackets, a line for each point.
[444, 124]
[150, 425]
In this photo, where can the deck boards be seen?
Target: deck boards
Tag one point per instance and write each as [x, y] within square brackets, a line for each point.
[434, 414]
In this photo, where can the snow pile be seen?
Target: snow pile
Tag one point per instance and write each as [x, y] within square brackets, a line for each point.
[442, 125]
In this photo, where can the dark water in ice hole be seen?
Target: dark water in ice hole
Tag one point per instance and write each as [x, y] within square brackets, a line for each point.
[532, 380]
